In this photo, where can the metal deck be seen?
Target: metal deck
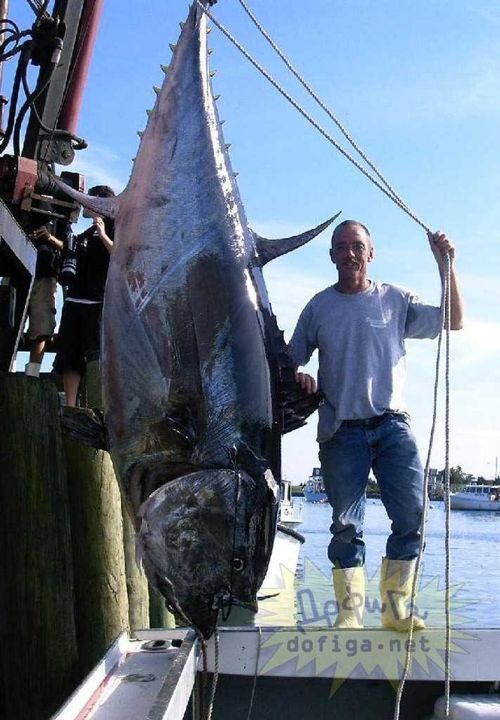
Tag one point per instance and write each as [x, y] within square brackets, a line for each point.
[149, 678]
[137, 680]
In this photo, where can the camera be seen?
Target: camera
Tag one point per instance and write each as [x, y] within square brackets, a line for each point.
[67, 272]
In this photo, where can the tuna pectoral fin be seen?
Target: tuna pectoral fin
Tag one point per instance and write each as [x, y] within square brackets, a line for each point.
[85, 426]
[270, 249]
[295, 403]
[107, 207]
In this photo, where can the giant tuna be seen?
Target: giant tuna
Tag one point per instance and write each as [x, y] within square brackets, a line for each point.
[192, 359]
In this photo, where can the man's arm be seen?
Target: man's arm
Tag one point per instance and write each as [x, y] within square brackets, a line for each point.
[441, 246]
[301, 349]
[43, 234]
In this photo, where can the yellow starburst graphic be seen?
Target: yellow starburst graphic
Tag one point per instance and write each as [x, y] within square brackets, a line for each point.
[316, 646]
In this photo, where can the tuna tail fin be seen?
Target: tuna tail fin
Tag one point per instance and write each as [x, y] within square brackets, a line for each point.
[107, 207]
[85, 426]
[270, 249]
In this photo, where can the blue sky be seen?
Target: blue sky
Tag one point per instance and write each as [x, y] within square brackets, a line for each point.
[418, 86]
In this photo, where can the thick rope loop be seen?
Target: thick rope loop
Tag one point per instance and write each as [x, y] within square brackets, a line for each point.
[311, 120]
[445, 326]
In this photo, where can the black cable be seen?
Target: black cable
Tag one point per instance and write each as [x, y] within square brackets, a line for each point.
[7, 21]
[43, 8]
[34, 6]
[30, 99]
[6, 55]
[78, 142]
[23, 61]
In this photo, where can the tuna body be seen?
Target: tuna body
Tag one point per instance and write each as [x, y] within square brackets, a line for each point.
[192, 356]
[187, 373]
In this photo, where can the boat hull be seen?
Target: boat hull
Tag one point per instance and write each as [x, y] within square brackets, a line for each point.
[476, 504]
[315, 496]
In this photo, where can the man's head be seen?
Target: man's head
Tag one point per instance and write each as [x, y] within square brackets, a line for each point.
[102, 191]
[351, 249]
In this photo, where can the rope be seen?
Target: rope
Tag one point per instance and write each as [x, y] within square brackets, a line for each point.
[322, 105]
[204, 673]
[311, 120]
[215, 680]
[445, 324]
[447, 497]
[254, 685]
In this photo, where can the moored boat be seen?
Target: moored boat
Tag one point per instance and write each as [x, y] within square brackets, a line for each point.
[314, 489]
[290, 513]
[284, 557]
[477, 497]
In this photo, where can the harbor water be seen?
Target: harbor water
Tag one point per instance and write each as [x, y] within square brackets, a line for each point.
[308, 600]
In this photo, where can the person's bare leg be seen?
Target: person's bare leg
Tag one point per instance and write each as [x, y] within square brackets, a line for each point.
[71, 382]
[37, 351]
[32, 368]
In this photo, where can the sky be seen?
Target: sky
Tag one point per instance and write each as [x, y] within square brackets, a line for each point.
[418, 86]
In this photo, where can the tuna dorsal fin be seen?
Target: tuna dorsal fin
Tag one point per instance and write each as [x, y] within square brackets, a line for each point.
[107, 207]
[270, 249]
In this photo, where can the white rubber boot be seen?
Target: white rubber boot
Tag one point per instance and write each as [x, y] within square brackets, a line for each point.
[32, 369]
[396, 581]
[349, 587]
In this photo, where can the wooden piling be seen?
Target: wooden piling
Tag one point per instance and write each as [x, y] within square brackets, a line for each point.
[101, 604]
[137, 585]
[38, 651]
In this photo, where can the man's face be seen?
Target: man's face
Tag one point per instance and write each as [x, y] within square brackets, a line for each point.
[352, 251]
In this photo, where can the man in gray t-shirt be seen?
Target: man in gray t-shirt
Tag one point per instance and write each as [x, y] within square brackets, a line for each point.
[359, 327]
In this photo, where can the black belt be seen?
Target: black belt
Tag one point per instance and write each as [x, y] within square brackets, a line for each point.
[371, 422]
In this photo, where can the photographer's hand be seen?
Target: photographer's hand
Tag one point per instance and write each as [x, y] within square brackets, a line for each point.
[101, 232]
[42, 234]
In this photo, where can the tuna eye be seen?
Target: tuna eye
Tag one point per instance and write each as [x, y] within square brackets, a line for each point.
[238, 564]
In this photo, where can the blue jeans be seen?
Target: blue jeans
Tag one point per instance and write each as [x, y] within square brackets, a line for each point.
[391, 451]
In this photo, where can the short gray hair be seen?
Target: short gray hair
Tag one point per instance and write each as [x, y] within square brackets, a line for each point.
[348, 223]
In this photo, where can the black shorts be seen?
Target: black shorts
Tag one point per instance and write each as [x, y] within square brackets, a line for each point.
[79, 336]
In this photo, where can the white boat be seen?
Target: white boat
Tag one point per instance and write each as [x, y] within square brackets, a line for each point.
[153, 676]
[284, 557]
[477, 497]
[287, 541]
[290, 513]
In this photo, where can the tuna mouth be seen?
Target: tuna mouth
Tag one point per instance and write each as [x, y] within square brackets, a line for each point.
[206, 539]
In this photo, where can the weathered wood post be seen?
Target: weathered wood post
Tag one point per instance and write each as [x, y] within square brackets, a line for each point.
[38, 652]
[137, 585]
[98, 556]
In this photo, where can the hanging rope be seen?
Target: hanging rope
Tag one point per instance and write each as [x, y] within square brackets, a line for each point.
[447, 490]
[445, 326]
[311, 120]
[210, 704]
[320, 102]
[256, 672]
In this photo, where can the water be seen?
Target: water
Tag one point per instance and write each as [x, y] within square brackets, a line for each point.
[475, 569]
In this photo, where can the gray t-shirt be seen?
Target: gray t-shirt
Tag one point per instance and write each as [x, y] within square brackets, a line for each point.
[360, 339]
